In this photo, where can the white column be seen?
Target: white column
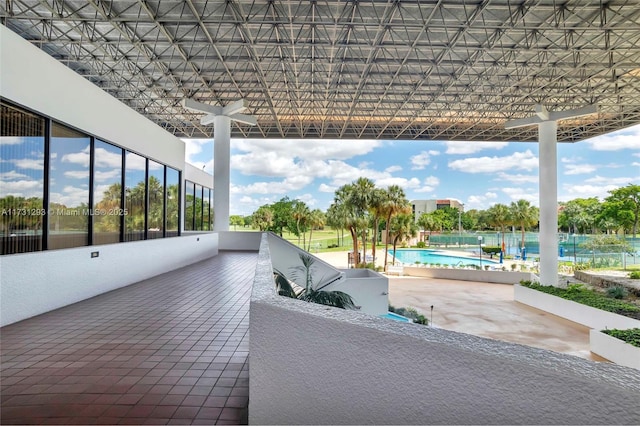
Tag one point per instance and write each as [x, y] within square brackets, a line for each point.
[548, 187]
[221, 171]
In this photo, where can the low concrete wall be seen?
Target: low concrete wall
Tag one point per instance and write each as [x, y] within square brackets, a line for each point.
[239, 240]
[312, 364]
[499, 277]
[615, 350]
[38, 282]
[573, 311]
[367, 288]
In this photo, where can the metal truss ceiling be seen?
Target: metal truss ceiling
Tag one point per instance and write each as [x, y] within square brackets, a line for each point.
[423, 70]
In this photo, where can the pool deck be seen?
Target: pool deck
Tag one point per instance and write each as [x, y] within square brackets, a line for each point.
[483, 309]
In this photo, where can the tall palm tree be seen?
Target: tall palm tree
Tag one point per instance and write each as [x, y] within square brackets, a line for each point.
[342, 212]
[394, 203]
[360, 200]
[402, 227]
[500, 217]
[524, 215]
[377, 209]
[316, 219]
[429, 222]
[300, 213]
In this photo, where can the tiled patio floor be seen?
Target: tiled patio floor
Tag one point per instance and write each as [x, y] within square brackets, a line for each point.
[169, 350]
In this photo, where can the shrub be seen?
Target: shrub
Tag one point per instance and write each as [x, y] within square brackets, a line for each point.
[634, 275]
[617, 292]
[631, 336]
[421, 244]
[491, 249]
[514, 266]
[578, 293]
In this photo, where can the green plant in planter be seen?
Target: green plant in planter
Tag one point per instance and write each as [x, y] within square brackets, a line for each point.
[617, 292]
[304, 273]
[634, 275]
[631, 336]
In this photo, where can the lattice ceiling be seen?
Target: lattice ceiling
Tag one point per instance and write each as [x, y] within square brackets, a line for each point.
[426, 70]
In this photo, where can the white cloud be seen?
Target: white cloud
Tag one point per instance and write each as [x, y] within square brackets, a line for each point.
[11, 175]
[620, 181]
[572, 191]
[480, 202]
[77, 174]
[308, 199]
[521, 194]
[108, 159]
[404, 183]
[456, 147]
[11, 140]
[102, 176]
[81, 158]
[517, 178]
[29, 163]
[193, 147]
[135, 162]
[431, 180]
[518, 160]
[22, 188]
[422, 160]
[579, 169]
[307, 149]
[326, 188]
[393, 169]
[628, 139]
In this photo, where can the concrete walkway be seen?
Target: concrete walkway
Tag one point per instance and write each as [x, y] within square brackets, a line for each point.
[482, 309]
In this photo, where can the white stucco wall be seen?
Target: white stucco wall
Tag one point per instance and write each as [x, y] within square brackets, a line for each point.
[613, 349]
[573, 311]
[367, 288]
[34, 283]
[239, 240]
[35, 80]
[197, 175]
[311, 364]
[497, 277]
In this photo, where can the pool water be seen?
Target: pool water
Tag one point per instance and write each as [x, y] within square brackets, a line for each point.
[411, 256]
[396, 317]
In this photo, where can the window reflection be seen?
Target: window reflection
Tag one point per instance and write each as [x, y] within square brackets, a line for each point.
[21, 180]
[189, 205]
[107, 193]
[135, 197]
[69, 155]
[173, 202]
[198, 208]
[155, 218]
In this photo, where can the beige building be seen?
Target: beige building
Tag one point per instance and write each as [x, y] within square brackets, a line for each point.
[427, 206]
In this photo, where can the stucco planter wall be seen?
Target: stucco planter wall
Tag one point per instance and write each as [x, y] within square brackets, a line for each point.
[613, 349]
[499, 277]
[573, 311]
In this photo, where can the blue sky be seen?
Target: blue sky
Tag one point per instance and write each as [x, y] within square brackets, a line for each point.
[479, 174]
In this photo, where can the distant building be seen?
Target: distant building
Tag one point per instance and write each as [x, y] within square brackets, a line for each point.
[427, 206]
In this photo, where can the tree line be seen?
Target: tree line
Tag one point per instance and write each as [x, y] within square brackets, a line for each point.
[365, 210]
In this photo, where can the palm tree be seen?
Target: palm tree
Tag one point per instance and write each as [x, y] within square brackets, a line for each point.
[377, 209]
[300, 213]
[394, 203]
[402, 227]
[304, 273]
[342, 212]
[500, 217]
[524, 215]
[361, 198]
[315, 219]
[429, 222]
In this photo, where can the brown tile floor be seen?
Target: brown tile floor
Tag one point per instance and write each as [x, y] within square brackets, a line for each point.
[169, 350]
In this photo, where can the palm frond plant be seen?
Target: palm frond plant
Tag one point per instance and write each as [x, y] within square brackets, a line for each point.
[304, 274]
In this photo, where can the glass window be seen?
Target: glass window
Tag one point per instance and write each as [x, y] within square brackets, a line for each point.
[173, 202]
[212, 216]
[206, 202]
[135, 197]
[22, 137]
[155, 219]
[189, 197]
[69, 156]
[198, 208]
[107, 193]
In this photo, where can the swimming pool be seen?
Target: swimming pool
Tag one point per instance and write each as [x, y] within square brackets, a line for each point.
[411, 256]
[396, 317]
